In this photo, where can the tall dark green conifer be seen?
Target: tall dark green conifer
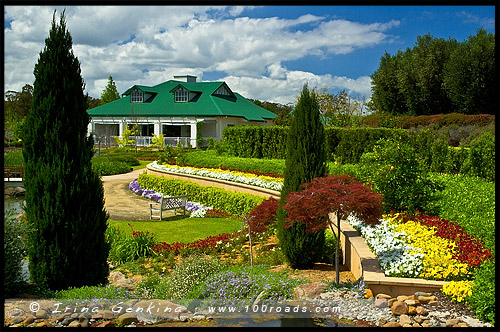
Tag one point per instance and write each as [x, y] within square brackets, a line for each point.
[64, 197]
[305, 160]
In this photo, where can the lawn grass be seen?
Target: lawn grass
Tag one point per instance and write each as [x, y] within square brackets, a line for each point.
[184, 230]
[143, 164]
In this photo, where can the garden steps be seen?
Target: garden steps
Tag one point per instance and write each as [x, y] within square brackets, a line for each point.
[211, 182]
[363, 263]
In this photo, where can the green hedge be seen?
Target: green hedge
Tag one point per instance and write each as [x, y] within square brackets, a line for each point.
[345, 145]
[232, 202]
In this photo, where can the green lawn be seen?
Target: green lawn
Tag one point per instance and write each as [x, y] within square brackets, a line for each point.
[183, 230]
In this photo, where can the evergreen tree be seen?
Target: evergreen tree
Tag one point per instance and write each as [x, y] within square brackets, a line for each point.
[64, 197]
[305, 160]
[110, 93]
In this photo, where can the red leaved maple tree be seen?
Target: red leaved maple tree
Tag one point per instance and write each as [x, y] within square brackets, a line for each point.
[338, 194]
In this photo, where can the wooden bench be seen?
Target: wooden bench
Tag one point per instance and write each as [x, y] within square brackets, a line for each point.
[168, 203]
[13, 172]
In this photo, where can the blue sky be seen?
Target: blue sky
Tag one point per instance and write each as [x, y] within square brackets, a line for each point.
[263, 52]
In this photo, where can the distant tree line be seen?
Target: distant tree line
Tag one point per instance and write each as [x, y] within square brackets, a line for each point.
[438, 76]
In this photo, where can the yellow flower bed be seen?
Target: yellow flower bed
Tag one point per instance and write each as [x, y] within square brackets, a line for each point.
[438, 263]
[234, 173]
[458, 290]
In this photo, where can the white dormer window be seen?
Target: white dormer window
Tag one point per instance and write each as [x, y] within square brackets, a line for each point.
[136, 96]
[181, 95]
[223, 91]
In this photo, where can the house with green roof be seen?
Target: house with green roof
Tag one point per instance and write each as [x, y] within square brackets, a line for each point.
[177, 109]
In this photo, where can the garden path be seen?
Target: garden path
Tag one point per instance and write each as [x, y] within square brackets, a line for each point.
[120, 202]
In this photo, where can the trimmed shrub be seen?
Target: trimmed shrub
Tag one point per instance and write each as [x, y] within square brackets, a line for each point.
[481, 160]
[231, 202]
[111, 168]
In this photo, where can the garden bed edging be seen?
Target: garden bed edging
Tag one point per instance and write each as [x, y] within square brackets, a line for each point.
[362, 262]
[211, 182]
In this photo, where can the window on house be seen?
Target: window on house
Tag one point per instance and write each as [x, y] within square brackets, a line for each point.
[181, 95]
[136, 96]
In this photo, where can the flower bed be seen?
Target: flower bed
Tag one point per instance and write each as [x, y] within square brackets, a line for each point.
[263, 181]
[196, 209]
[413, 246]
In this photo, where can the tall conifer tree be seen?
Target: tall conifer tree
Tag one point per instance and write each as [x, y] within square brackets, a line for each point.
[110, 92]
[305, 160]
[64, 197]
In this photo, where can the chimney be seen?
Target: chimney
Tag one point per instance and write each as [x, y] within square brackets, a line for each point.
[185, 78]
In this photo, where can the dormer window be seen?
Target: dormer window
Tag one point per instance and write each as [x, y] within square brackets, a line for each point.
[181, 95]
[136, 96]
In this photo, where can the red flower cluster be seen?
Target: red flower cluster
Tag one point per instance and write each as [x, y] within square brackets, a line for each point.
[205, 245]
[214, 213]
[469, 249]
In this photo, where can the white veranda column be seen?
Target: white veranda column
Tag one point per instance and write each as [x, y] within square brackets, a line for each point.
[193, 134]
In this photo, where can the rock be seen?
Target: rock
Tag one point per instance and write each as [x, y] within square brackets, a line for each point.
[84, 316]
[368, 293]
[383, 296]
[407, 325]
[411, 310]
[426, 299]
[42, 324]
[392, 324]
[127, 319]
[17, 320]
[15, 191]
[399, 308]
[462, 324]
[409, 302]
[107, 314]
[433, 303]
[416, 325]
[421, 311]
[75, 323]
[417, 294]
[381, 303]
[28, 320]
[154, 311]
[418, 319]
[309, 291]
[381, 321]
[391, 301]
[452, 321]
[426, 324]
[404, 320]
[84, 323]
[67, 320]
[97, 316]
[41, 314]
[106, 324]
[402, 298]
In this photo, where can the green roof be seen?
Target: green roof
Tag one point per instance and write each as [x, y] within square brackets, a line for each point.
[205, 104]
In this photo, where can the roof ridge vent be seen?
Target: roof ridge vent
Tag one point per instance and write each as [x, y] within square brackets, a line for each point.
[185, 78]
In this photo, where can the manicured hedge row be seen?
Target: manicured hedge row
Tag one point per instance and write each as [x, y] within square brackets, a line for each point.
[342, 144]
[256, 141]
[346, 145]
[231, 202]
[441, 120]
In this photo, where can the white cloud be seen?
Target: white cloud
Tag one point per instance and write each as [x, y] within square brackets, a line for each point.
[148, 45]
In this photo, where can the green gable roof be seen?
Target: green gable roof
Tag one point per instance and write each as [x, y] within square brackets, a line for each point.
[205, 104]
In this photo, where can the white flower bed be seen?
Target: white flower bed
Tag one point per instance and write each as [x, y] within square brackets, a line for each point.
[396, 258]
[250, 180]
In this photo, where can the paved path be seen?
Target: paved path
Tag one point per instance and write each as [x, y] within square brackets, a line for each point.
[120, 202]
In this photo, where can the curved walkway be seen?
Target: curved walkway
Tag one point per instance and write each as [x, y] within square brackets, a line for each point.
[120, 202]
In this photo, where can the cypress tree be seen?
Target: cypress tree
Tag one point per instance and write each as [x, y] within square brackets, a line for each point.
[64, 197]
[305, 160]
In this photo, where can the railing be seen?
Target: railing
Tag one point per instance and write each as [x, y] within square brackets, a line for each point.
[13, 172]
